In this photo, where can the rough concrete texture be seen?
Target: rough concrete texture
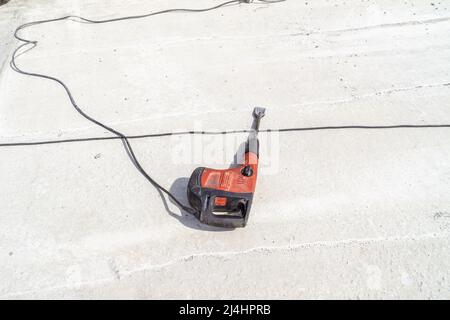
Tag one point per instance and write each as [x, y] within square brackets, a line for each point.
[340, 214]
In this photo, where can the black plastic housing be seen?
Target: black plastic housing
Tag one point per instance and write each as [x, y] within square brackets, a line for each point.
[233, 215]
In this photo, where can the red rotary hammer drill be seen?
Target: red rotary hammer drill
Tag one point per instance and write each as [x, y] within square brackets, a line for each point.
[223, 198]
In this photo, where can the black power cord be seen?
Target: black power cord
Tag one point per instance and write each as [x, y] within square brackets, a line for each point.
[181, 133]
[125, 139]
[119, 135]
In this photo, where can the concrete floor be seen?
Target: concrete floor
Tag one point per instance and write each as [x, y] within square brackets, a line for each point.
[337, 214]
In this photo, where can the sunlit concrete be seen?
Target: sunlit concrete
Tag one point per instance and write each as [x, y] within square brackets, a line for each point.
[348, 213]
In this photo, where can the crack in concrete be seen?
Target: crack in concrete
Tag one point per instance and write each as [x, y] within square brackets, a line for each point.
[375, 94]
[225, 254]
[177, 114]
[377, 26]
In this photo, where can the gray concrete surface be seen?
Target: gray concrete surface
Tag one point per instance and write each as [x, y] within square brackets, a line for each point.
[337, 214]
